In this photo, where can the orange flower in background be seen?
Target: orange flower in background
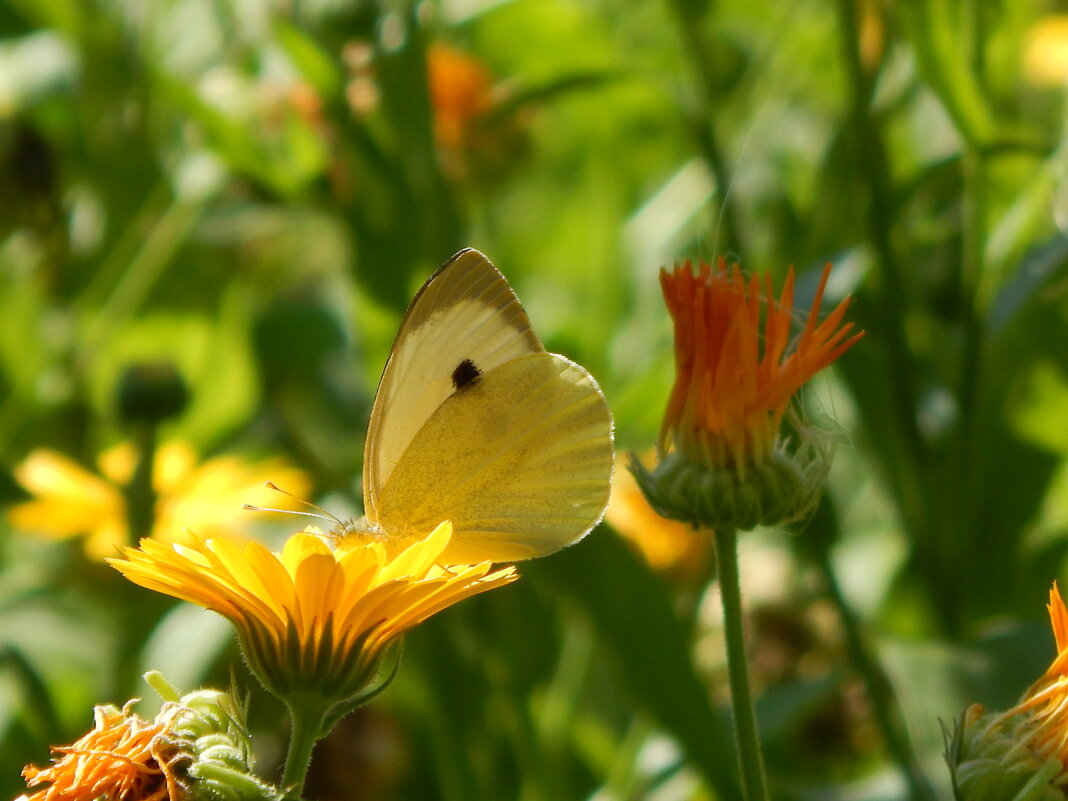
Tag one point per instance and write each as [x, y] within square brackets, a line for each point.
[460, 93]
[205, 497]
[122, 757]
[723, 461]
[315, 618]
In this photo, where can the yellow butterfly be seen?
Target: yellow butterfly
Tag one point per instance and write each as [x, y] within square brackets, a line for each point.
[476, 423]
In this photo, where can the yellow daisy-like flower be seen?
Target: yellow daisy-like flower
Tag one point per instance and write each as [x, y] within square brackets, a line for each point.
[316, 618]
[122, 757]
[738, 365]
[206, 497]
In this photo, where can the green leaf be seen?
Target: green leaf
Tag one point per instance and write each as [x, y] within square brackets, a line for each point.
[631, 611]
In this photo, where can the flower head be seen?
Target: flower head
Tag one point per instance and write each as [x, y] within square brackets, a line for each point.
[206, 497]
[316, 618]
[194, 748]
[122, 756]
[738, 365]
[1020, 754]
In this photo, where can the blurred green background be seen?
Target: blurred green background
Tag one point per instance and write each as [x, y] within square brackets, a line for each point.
[253, 190]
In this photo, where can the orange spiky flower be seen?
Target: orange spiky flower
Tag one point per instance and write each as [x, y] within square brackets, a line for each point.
[738, 365]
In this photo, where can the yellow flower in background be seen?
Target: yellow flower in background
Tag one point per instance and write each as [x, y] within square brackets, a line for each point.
[738, 366]
[668, 546]
[1021, 754]
[316, 618]
[122, 757]
[205, 497]
[1045, 51]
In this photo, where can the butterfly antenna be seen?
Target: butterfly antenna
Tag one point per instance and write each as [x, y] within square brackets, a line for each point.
[319, 513]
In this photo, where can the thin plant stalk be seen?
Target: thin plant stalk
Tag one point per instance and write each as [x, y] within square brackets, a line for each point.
[887, 713]
[750, 759]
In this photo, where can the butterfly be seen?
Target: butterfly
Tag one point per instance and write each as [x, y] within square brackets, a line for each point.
[476, 423]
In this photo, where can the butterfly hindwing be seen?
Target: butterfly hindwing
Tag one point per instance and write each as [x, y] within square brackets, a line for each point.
[519, 460]
[463, 323]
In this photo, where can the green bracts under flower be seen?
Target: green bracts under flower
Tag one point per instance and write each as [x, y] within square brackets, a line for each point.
[990, 759]
[209, 730]
[778, 490]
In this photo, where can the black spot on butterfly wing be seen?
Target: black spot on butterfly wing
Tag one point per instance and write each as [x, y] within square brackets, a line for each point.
[465, 374]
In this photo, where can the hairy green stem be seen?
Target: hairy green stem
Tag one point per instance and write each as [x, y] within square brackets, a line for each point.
[307, 714]
[750, 760]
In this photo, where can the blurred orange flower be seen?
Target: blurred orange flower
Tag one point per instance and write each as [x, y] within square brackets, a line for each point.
[460, 93]
[205, 497]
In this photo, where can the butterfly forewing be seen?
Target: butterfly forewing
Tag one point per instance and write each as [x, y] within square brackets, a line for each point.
[520, 461]
[463, 323]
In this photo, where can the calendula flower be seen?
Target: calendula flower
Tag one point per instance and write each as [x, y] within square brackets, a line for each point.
[196, 748]
[1021, 754]
[738, 365]
[316, 618]
[206, 497]
[668, 546]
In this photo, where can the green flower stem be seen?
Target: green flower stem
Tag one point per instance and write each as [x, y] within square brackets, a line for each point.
[308, 713]
[754, 784]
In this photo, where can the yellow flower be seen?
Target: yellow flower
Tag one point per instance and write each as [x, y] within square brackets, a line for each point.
[123, 757]
[668, 546]
[738, 366]
[316, 618]
[1045, 60]
[71, 501]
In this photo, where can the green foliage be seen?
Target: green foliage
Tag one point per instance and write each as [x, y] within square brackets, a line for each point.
[253, 191]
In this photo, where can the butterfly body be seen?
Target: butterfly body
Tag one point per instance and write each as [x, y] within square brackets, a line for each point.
[476, 423]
